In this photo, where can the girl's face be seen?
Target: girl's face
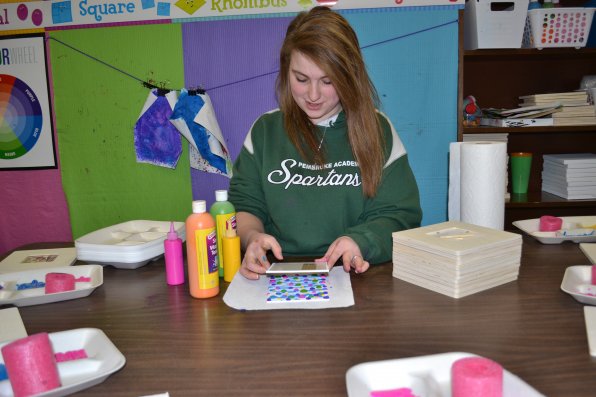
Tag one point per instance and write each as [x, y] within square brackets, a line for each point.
[312, 90]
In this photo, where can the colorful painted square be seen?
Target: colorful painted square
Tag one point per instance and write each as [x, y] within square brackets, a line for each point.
[61, 12]
[298, 288]
[163, 9]
[147, 4]
[190, 6]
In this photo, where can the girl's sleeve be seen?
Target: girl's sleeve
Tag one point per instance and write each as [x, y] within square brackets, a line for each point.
[395, 207]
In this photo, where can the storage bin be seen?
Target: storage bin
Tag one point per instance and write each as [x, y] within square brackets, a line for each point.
[558, 27]
[494, 24]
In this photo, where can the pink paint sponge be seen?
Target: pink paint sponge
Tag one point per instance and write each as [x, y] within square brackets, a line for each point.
[550, 223]
[402, 392]
[31, 365]
[476, 376]
[59, 282]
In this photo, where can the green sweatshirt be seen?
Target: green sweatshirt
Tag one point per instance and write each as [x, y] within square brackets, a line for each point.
[306, 207]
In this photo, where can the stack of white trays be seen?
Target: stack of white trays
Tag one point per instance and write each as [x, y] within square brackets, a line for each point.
[456, 259]
[571, 176]
[127, 245]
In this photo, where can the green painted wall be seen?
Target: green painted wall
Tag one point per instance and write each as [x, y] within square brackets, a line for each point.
[96, 108]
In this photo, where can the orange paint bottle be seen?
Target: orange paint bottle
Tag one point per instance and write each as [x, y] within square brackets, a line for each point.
[201, 252]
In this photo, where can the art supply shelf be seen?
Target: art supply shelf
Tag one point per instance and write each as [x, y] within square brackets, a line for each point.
[496, 78]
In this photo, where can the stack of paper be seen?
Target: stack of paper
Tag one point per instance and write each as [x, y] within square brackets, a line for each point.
[456, 259]
[497, 137]
[525, 116]
[589, 249]
[576, 108]
[571, 176]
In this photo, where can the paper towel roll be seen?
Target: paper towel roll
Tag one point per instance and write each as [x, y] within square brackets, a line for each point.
[483, 173]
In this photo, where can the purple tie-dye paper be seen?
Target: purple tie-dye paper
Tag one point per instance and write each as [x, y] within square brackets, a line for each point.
[297, 287]
[157, 141]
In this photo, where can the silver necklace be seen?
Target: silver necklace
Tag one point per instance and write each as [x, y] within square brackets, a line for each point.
[322, 139]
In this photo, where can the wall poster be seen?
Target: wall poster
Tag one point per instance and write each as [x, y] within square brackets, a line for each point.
[26, 133]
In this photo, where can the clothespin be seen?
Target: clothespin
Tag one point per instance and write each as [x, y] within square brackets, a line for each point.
[196, 91]
[160, 91]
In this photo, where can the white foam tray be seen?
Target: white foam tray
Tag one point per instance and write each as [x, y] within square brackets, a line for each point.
[10, 295]
[577, 282]
[428, 376]
[532, 228]
[127, 245]
[103, 359]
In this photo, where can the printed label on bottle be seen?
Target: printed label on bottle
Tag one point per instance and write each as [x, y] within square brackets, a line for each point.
[220, 221]
[206, 248]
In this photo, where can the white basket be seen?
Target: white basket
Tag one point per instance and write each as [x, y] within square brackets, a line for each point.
[558, 27]
[494, 23]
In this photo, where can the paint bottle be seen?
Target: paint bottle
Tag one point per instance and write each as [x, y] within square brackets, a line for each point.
[173, 257]
[231, 249]
[548, 4]
[201, 252]
[221, 211]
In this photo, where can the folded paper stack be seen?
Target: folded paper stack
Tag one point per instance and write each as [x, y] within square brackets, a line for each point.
[456, 259]
[571, 176]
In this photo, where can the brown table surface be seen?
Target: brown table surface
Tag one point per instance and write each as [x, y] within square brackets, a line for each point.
[191, 347]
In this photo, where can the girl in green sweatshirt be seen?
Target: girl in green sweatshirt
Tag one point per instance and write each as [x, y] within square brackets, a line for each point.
[326, 174]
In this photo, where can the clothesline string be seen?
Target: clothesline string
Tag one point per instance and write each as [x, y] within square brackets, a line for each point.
[98, 60]
[149, 85]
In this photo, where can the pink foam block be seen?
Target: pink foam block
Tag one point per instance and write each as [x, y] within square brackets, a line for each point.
[550, 223]
[31, 365]
[70, 355]
[402, 392]
[593, 274]
[476, 376]
[59, 282]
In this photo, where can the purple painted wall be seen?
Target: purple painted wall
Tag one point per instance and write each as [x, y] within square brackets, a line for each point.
[207, 47]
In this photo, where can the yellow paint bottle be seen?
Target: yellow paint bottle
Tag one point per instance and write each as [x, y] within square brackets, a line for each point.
[231, 249]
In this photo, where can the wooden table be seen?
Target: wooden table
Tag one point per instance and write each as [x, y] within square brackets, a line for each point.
[192, 347]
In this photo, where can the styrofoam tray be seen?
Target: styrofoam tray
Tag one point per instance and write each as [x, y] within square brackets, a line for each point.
[531, 227]
[577, 282]
[22, 260]
[127, 245]
[590, 251]
[9, 294]
[103, 359]
[428, 376]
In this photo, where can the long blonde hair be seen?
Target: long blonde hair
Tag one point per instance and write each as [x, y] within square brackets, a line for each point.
[326, 38]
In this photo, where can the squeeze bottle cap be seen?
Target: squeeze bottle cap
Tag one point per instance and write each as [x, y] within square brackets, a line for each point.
[199, 206]
[221, 195]
[172, 235]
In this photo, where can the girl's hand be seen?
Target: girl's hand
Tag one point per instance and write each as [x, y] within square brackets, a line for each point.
[255, 260]
[349, 252]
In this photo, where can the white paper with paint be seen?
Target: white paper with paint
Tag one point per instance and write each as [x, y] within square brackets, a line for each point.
[245, 294]
[171, 97]
[206, 118]
[478, 173]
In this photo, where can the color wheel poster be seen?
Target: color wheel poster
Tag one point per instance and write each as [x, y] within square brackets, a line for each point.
[26, 134]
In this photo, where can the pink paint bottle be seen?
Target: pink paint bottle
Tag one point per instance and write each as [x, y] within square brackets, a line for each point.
[174, 260]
